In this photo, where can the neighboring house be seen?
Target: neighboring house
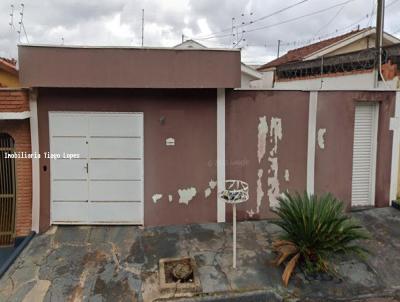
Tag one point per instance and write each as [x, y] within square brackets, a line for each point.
[15, 175]
[248, 74]
[8, 73]
[342, 62]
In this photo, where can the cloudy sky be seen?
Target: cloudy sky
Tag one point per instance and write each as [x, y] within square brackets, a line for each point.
[259, 24]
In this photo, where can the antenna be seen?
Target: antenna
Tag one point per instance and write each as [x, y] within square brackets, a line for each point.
[21, 24]
[239, 36]
[142, 26]
[12, 17]
[233, 31]
[21, 13]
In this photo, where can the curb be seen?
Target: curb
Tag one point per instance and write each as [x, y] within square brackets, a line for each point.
[16, 253]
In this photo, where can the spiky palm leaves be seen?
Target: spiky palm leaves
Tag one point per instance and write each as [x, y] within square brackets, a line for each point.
[314, 229]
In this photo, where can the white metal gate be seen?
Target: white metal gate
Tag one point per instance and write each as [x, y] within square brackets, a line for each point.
[364, 154]
[105, 184]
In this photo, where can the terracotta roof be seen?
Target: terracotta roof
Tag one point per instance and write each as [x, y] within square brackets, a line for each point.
[8, 65]
[299, 54]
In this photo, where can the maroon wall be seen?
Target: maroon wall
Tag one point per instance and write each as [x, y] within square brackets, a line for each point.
[190, 117]
[333, 164]
[244, 108]
[125, 67]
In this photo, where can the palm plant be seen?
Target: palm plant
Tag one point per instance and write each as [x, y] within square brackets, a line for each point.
[314, 230]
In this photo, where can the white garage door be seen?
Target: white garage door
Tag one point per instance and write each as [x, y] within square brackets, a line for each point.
[105, 184]
[364, 154]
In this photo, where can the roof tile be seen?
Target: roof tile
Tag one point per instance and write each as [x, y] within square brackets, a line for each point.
[299, 54]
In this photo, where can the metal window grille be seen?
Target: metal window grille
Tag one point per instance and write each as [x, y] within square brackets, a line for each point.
[7, 190]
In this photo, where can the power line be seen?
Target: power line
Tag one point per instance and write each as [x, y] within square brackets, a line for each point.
[372, 13]
[287, 21]
[257, 20]
[301, 17]
[299, 43]
[391, 3]
[331, 20]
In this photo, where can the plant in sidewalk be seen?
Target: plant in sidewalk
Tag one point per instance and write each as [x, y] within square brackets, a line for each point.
[396, 203]
[315, 229]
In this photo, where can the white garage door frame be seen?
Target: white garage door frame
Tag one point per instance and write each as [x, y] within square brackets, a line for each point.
[364, 110]
[84, 113]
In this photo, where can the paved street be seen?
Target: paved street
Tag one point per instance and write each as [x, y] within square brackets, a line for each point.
[121, 264]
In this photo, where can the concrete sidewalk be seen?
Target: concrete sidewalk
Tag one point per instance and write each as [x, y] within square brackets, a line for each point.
[121, 264]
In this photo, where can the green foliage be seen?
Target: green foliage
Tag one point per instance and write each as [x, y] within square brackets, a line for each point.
[318, 228]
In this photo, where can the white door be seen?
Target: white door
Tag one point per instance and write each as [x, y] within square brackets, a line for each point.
[364, 154]
[105, 184]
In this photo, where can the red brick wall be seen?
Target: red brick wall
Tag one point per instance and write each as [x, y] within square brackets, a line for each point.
[13, 100]
[17, 101]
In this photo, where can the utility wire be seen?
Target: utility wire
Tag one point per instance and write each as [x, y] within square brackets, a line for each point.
[331, 20]
[286, 21]
[391, 3]
[257, 20]
[372, 13]
[299, 43]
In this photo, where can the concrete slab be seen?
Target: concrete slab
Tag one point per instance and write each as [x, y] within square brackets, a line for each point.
[120, 263]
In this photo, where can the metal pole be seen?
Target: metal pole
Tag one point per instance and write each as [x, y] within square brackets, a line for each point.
[234, 235]
[380, 12]
[142, 26]
[279, 47]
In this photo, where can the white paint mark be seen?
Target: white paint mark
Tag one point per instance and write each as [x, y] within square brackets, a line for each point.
[207, 192]
[170, 198]
[38, 291]
[262, 137]
[287, 176]
[260, 192]
[212, 184]
[321, 138]
[273, 183]
[250, 213]
[156, 197]
[170, 141]
[276, 132]
[186, 195]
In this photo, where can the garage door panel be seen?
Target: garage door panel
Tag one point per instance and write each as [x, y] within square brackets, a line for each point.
[68, 124]
[70, 212]
[114, 169]
[72, 145]
[122, 125]
[69, 169]
[111, 189]
[116, 212]
[70, 190]
[115, 191]
[116, 147]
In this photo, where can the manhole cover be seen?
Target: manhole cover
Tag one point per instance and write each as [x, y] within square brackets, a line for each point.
[179, 274]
